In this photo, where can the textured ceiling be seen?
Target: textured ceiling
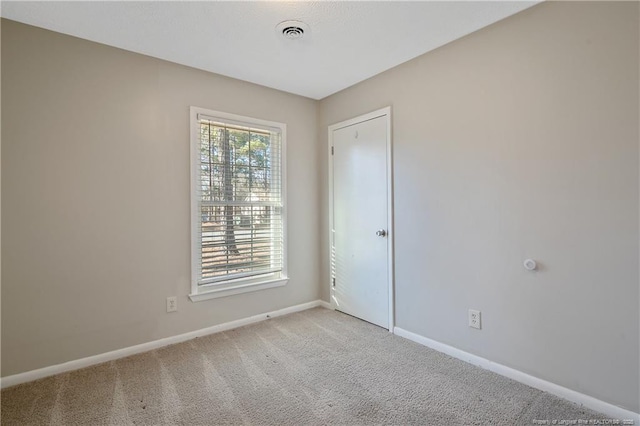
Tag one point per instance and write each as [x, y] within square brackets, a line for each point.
[347, 42]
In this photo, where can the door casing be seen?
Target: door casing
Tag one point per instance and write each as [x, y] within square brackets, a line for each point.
[383, 112]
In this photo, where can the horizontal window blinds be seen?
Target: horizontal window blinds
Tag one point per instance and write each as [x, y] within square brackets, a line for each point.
[240, 201]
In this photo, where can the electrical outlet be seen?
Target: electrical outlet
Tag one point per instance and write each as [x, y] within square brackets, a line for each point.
[172, 304]
[474, 319]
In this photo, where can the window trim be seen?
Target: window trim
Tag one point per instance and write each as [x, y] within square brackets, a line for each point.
[240, 285]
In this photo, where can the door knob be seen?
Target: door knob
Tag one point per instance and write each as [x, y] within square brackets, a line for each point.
[381, 233]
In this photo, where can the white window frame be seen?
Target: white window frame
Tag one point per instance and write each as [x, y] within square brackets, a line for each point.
[239, 285]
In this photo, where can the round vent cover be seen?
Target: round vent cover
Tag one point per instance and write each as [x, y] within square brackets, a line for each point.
[292, 30]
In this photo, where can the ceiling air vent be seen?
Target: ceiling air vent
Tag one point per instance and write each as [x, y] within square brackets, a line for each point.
[292, 30]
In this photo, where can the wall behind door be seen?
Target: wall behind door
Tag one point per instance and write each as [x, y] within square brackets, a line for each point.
[520, 140]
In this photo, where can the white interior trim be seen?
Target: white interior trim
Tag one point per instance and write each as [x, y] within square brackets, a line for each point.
[606, 408]
[246, 287]
[383, 112]
[590, 402]
[40, 373]
[325, 305]
[198, 292]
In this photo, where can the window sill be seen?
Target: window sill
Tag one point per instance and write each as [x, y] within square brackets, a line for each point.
[238, 289]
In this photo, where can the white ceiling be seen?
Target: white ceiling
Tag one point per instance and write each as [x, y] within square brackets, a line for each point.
[347, 42]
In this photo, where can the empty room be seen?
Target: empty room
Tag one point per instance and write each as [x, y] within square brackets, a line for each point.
[320, 213]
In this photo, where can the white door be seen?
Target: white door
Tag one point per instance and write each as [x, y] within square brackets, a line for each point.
[361, 247]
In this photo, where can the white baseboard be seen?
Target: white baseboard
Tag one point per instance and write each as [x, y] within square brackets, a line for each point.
[40, 373]
[325, 305]
[592, 403]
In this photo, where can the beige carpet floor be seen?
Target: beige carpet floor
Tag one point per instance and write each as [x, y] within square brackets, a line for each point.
[316, 367]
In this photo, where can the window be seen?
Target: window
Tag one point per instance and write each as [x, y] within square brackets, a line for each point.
[237, 204]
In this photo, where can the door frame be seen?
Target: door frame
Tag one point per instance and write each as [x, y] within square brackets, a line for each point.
[383, 112]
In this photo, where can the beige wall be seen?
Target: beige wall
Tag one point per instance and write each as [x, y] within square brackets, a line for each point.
[95, 187]
[0, 193]
[520, 140]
